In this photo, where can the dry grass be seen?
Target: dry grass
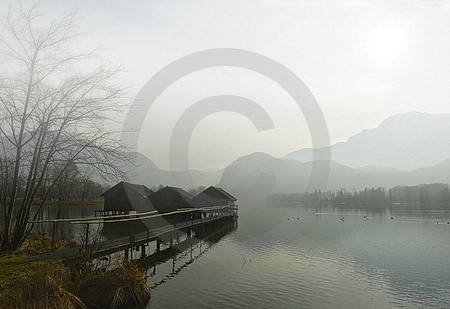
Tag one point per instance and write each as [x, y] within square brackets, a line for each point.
[37, 244]
[50, 285]
[34, 285]
[123, 287]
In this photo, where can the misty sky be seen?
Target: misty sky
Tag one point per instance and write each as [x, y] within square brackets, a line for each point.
[362, 60]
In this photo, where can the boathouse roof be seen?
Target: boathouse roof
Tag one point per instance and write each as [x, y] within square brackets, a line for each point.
[127, 186]
[218, 192]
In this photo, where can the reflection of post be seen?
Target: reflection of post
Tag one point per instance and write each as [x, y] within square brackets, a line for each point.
[173, 265]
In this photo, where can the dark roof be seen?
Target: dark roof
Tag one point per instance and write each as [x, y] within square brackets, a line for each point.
[140, 189]
[225, 193]
[182, 195]
[182, 192]
[220, 191]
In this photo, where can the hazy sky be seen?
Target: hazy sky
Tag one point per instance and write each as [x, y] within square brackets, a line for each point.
[362, 60]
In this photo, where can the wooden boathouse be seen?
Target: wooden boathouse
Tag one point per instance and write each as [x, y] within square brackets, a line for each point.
[165, 217]
[169, 199]
[213, 196]
[125, 198]
[129, 198]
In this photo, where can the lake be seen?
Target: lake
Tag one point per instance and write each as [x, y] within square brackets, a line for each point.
[274, 260]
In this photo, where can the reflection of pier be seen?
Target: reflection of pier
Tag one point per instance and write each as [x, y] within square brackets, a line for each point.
[168, 228]
[185, 252]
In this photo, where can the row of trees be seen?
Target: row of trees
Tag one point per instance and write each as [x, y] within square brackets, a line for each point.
[426, 195]
[56, 106]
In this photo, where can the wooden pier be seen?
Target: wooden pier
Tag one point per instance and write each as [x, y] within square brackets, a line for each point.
[168, 233]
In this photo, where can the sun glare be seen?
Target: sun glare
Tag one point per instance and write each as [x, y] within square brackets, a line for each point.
[387, 43]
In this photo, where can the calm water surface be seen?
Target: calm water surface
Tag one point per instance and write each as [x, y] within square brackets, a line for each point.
[315, 261]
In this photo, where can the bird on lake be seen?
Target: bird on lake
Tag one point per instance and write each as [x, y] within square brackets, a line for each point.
[365, 217]
[392, 218]
[342, 219]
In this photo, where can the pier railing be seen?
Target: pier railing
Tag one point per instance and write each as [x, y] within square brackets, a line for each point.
[207, 215]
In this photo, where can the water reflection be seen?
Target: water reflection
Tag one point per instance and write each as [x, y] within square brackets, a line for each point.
[65, 231]
[166, 264]
[367, 260]
[320, 261]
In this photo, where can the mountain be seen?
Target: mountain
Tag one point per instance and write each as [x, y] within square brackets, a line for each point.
[403, 142]
[258, 175]
[142, 170]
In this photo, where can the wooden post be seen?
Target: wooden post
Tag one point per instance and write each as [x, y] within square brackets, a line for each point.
[142, 251]
[158, 245]
[53, 236]
[86, 238]
[131, 243]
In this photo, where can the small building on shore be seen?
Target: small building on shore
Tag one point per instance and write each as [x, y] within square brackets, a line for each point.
[169, 199]
[213, 196]
[127, 197]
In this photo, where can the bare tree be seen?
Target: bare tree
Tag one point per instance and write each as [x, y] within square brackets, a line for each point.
[52, 116]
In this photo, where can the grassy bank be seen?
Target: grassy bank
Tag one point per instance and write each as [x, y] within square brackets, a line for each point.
[51, 284]
[34, 285]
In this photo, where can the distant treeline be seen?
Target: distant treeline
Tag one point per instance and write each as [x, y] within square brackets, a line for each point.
[425, 194]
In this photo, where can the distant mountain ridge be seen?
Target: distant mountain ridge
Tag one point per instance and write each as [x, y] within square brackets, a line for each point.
[405, 149]
[142, 170]
[265, 174]
[417, 142]
[403, 142]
